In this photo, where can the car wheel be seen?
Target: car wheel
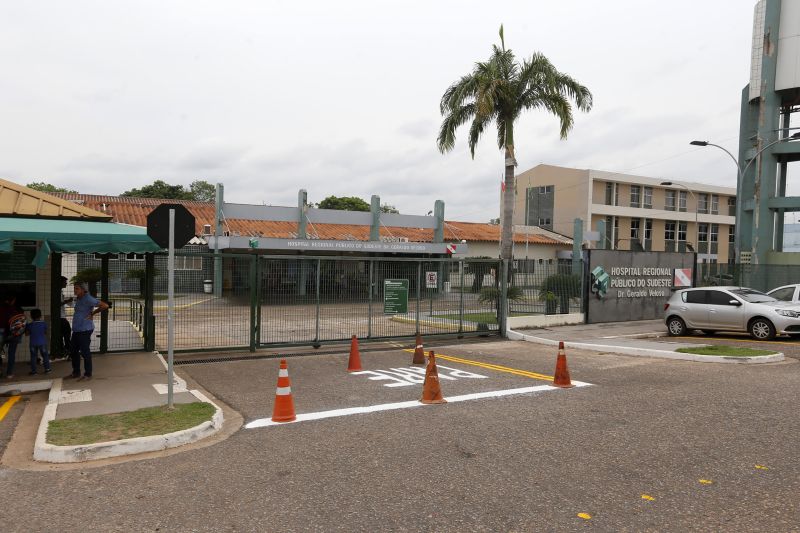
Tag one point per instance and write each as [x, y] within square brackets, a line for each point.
[762, 329]
[708, 332]
[676, 327]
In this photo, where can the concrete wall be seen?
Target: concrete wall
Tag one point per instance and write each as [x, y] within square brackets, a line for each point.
[534, 251]
[636, 295]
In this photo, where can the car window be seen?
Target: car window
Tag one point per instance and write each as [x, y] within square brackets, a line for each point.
[755, 297]
[718, 298]
[785, 294]
[696, 297]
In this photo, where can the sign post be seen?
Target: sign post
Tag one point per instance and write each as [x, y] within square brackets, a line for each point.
[170, 225]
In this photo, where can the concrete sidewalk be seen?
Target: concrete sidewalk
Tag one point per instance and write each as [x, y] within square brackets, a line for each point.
[121, 382]
[642, 338]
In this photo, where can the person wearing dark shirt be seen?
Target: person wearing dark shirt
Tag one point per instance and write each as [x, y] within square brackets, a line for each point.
[38, 333]
[86, 306]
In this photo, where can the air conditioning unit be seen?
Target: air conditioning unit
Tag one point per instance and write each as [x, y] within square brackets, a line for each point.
[207, 229]
[402, 239]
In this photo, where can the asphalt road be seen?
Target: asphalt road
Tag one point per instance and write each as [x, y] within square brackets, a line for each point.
[532, 462]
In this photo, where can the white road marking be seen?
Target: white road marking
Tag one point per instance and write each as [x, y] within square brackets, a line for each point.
[414, 375]
[75, 395]
[304, 417]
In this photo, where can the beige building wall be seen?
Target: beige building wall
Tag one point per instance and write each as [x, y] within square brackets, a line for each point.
[571, 195]
[532, 251]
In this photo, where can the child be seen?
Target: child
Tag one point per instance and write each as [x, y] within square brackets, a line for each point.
[38, 332]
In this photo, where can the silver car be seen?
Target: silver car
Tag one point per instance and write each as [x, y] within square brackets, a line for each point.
[713, 309]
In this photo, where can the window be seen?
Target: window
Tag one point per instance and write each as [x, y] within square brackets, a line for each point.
[785, 294]
[648, 198]
[544, 221]
[731, 234]
[669, 200]
[682, 201]
[635, 225]
[616, 233]
[188, 263]
[135, 257]
[669, 231]
[702, 233]
[546, 189]
[714, 204]
[719, 298]
[682, 231]
[648, 229]
[732, 206]
[714, 232]
[695, 297]
[636, 194]
[609, 193]
[702, 203]
[111, 257]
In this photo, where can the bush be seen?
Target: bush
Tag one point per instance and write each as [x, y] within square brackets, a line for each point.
[492, 294]
[559, 288]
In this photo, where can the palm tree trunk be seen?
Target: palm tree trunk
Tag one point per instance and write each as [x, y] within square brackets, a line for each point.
[506, 233]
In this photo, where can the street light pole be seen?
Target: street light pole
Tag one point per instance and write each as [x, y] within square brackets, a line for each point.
[795, 136]
[696, 210]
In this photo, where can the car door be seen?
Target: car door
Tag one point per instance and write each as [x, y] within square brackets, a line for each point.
[722, 314]
[694, 309]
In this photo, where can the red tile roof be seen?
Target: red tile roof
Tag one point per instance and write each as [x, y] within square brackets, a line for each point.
[134, 211]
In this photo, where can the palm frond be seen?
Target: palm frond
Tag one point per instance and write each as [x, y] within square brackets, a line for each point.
[475, 131]
[452, 121]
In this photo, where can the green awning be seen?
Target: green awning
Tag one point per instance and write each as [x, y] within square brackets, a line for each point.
[73, 236]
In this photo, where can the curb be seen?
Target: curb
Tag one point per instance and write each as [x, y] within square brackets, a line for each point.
[645, 352]
[50, 453]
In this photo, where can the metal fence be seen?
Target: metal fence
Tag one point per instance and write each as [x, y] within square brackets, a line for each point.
[283, 300]
[759, 277]
[540, 287]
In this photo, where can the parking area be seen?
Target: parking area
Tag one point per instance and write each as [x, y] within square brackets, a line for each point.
[650, 445]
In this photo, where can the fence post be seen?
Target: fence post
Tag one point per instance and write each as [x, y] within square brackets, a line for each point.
[419, 278]
[253, 301]
[56, 296]
[104, 297]
[316, 327]
[461, 299]
[149, 317]
[503, 310]
[369, 294]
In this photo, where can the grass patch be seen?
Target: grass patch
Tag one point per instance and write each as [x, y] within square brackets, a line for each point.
[727, 351]
[486, 318]
[140, 423]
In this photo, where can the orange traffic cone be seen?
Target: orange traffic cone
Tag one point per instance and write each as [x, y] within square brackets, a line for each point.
[354, 364]
[284, 404]
[561, 379]
[419, 353]
[431, 390]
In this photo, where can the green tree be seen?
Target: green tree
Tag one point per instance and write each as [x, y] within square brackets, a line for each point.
[499, 90]
[160, 189]
[203, 191]
[344, 203]
[47, 187]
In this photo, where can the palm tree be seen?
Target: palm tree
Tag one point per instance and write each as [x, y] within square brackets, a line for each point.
[499, 90]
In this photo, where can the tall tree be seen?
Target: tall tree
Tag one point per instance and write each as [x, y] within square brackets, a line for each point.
[344, 203]
[160, 189]
[203, 191]
[47, 187]
[499, 90]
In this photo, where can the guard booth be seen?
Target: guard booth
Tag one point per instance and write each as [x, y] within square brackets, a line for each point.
[41, 237]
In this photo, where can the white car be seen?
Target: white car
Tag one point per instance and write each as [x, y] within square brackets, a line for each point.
[787, 293]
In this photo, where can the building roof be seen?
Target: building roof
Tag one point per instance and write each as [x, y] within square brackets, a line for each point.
[18, 200]
[134, 211]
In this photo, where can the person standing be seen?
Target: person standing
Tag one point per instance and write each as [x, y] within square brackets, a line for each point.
[38, 333]
[66, 331]
[86, 306]
[12, 320]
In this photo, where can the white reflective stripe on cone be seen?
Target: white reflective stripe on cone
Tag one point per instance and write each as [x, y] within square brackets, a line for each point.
[283, 391]
[419, 346]
[283, 373]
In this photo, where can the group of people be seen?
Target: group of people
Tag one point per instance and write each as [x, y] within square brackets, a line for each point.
[76, 339]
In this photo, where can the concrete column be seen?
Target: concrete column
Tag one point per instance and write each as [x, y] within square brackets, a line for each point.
[375, 211]
[302, 205]
[438, 213]
[577, 241]
[601, 229]
[218, 233]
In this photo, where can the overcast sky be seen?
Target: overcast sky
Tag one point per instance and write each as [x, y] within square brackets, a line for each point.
[342, 97]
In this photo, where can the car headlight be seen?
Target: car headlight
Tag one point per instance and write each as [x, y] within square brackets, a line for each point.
[786, 312]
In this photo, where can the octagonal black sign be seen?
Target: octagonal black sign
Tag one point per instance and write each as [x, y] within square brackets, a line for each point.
[158, 225]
